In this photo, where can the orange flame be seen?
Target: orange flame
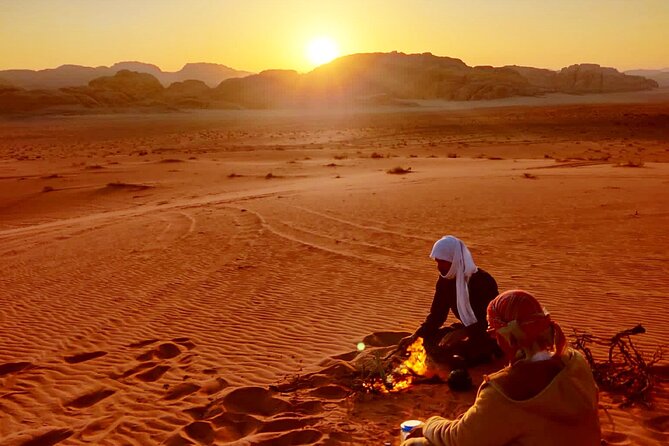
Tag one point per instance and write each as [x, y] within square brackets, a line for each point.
[404, 374]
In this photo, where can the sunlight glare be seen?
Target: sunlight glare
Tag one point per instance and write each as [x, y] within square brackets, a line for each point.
[322, 50]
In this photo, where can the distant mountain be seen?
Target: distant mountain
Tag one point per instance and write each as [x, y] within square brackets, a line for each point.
[63, 76]
[414, 76]
[126, 90]
[659, 76]
[358, 77]
[136, 86]
[210, 73]
[646, 72]
[584, 78]
[271, 88]
[189, 94]
[368, 79]
[139, 67]
[75, 75]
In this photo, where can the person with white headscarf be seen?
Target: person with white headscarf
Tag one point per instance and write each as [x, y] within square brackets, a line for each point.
[466, 290]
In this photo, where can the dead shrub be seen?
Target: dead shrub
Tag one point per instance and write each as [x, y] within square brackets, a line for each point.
[631, 163]
[399, 170]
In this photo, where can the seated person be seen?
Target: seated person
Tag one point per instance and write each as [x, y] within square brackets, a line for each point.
[546, 396]
[466, 290]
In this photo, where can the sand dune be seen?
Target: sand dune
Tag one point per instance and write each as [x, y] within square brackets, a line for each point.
[150, 296]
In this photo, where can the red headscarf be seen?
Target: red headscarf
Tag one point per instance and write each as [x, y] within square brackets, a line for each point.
[518, 312]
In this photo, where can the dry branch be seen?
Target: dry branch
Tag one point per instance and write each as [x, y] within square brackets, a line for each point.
[626, 371]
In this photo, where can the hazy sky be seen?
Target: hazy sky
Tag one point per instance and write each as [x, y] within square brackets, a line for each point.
[260, 34]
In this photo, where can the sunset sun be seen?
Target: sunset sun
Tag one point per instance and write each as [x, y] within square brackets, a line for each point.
[322, 50]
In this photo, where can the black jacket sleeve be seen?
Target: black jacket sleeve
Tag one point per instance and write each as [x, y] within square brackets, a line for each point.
[438, 312]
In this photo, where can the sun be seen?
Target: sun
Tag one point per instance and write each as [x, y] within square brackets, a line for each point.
[322, 50]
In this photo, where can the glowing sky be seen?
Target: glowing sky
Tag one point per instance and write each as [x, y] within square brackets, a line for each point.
[260, 34]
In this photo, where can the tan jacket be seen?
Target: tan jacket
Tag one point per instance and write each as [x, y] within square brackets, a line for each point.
[547, 403]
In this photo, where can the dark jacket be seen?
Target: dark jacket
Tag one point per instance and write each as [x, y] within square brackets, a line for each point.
[482, 289]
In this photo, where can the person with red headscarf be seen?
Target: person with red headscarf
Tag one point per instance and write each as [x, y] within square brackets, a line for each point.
[545, 396]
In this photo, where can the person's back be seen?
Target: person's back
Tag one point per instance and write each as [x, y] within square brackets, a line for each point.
[546, 396]
[551, 402]
[482, 290]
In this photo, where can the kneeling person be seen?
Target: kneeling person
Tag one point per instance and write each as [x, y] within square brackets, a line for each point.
[464, 289]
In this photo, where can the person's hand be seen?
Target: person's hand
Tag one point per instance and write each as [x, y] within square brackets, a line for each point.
[406, 342]
[416, 432]
[422, 441]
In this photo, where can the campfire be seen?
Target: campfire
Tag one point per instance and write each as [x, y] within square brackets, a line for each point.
[413, 365]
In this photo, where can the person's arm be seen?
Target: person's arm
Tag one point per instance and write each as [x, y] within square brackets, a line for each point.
[438, 312]
[491, 421]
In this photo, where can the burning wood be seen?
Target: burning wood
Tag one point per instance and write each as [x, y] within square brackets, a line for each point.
[401, 375]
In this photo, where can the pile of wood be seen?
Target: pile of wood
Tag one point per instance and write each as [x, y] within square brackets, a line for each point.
[626, 370]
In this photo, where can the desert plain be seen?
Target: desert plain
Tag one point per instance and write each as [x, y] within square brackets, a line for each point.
[162, 273]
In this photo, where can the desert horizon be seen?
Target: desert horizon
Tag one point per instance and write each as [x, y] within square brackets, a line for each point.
[207, 255]
[194, 63]
[358, 80]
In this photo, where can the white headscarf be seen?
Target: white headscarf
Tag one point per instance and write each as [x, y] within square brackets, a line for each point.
[453, 250]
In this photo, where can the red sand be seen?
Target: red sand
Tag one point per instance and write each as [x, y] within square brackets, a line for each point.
[150, 296]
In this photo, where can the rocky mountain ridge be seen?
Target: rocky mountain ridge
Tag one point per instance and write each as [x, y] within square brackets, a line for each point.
[372, 78]
[76, 75]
